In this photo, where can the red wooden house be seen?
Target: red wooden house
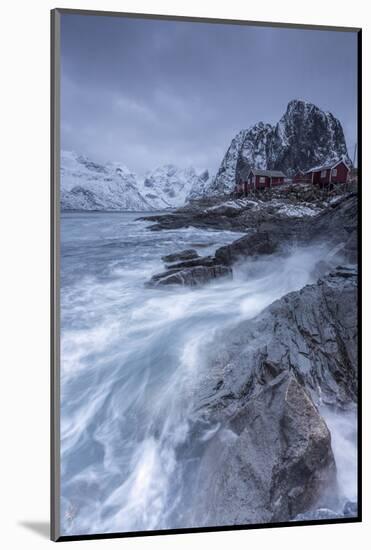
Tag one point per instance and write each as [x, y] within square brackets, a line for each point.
[302, 177]
[258, 179]
[336, 172]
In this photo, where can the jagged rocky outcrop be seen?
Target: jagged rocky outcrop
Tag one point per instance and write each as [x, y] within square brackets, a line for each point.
[256, 244]
[188, 254]
[270, 233]
[271, 461]
[264, 384]
[187, 268]
[243, 214]
[190, 276]
[311, 333]
[304, 137]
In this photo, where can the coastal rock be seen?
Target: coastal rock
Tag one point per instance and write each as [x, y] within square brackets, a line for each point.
[284, 210]
[192, 276]
[194, 218]
[207, 261]
[337, 225]
[252, 245]
[311, 333]
[188, 254]
[263, 387]
[272, 461]
[350, 509]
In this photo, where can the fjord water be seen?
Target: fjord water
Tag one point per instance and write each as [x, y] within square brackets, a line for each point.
[131, 358]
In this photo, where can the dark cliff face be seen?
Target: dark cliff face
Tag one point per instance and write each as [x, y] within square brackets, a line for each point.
[304, 137]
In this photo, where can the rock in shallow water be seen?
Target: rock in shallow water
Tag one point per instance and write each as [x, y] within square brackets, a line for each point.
[192, 276]
[276, 462]
[188, 254]
[261, 243]
[336, 225]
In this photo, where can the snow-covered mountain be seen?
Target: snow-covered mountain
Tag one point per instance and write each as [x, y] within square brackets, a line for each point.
[304, 137]
[87, 185]
[200, 188]
[169, 186]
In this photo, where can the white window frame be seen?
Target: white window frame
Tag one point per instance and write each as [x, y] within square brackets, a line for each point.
[334, 172]
[261, 179]
[323, 174]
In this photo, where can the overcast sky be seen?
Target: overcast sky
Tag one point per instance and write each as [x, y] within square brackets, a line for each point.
[147, 93]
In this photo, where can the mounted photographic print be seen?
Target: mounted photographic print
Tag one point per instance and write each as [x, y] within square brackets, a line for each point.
[206, 186]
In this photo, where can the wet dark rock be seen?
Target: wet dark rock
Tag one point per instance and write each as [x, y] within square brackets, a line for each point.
[192, 276]
[350, 509]
[347, 271]
[272, 460]
[311, 332]
[195, 218]
[350, 249]
[204, 260]
[252, 245]
[188, 254]
[336, 223]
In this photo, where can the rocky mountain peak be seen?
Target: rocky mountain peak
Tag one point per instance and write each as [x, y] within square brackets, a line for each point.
[304, 137]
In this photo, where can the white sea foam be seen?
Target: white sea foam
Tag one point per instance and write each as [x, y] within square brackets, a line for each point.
[131, 357]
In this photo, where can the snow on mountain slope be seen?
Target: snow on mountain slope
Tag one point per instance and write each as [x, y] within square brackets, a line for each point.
[86, 185]
[225, 178]
[304, 137]
[169, 186]
[200, 187]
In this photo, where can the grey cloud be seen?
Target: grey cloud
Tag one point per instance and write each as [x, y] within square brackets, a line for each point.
[148, 92]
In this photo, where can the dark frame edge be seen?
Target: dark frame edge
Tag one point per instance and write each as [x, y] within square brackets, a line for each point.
[214, 529]
[54, 275]
[197, 19]
[359, 242]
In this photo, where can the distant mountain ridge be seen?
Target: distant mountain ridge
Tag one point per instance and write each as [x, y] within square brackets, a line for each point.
[305, 136]
[88, 185]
